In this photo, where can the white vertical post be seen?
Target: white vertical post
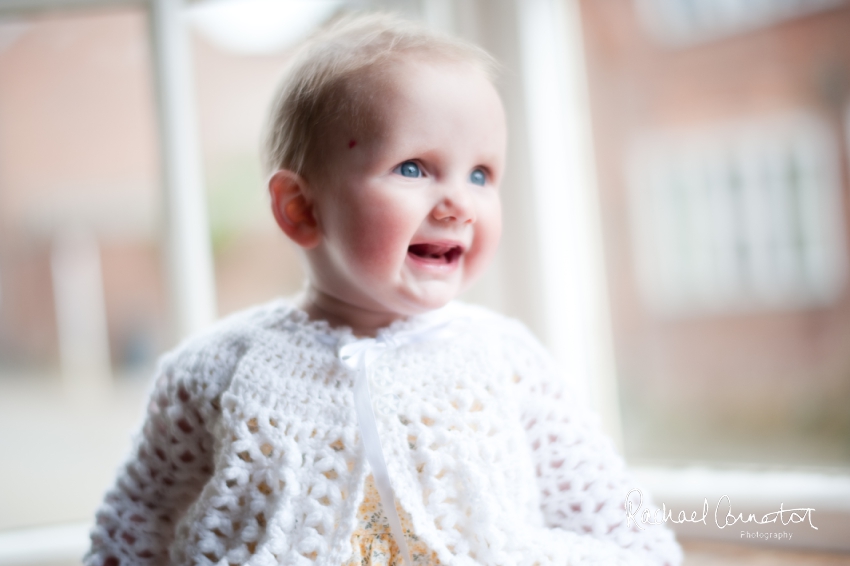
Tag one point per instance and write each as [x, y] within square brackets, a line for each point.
[576, 319]
[192, 284]
[80, 311]
[439, 14]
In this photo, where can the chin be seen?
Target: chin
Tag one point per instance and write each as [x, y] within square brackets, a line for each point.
[432, 302]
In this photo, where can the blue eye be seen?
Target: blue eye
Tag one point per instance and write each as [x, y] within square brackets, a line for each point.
[478, 177]
[408, 169]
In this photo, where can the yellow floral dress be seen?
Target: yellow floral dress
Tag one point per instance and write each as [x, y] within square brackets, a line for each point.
[372, 541]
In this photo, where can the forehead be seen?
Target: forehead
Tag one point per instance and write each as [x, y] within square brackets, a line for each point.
[427, 93]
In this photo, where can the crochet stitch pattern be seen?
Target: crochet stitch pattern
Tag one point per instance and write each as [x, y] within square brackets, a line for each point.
[250, 453]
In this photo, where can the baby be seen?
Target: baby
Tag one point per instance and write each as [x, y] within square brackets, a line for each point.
[375, 421]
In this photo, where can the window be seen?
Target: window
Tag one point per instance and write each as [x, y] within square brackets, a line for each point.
[84, 303]
[743, 217]
[87, 302]
[682, 22]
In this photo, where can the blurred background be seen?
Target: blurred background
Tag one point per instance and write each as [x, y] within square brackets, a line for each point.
[722, 144]
[702, 167]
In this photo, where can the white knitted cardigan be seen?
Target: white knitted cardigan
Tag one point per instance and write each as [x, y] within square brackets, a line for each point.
[251, 456]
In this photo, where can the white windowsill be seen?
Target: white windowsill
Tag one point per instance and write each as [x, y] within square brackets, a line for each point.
[756, 492]
[53, 544]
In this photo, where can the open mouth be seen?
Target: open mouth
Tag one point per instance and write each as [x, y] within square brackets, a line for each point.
[435, 253]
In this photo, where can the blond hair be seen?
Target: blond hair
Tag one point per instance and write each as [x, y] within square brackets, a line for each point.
[324, 82]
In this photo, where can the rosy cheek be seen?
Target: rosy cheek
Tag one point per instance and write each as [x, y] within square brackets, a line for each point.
[487, 237]
[380, 233]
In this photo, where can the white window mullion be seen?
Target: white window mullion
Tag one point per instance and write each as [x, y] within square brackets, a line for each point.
[188, 246]
[568, 232]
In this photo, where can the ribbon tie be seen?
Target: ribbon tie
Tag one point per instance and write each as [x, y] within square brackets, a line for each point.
[359, 355]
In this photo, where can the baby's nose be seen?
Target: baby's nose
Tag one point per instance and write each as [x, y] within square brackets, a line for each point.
[456, 204]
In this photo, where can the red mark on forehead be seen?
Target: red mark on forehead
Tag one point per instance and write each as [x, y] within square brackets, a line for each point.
[352, 143]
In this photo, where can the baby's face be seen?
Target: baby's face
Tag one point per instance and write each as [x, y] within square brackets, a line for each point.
[409, 210]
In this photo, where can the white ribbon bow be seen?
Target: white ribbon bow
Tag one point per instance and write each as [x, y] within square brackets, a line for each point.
[359, 356]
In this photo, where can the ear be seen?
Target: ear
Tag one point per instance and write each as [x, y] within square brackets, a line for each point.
[292, 209]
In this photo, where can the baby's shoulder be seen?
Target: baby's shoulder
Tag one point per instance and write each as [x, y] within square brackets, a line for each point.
[517, 343]
[481, 316]
[207, 359]
[510, 333]
[530, 363]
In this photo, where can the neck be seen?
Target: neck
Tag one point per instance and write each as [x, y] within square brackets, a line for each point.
[363, 322]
